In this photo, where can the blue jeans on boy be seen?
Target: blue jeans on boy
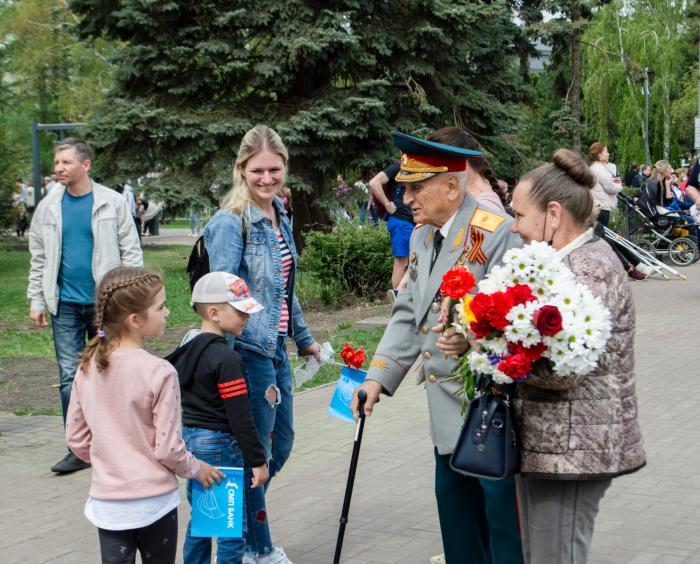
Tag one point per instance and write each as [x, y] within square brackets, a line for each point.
[218, 449]
[275, 424]
[72, 326]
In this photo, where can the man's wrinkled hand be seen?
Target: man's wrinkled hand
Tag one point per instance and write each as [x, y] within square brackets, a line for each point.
[373, 390]
[451, 343]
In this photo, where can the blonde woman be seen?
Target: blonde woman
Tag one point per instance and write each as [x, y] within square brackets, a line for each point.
[251, 237]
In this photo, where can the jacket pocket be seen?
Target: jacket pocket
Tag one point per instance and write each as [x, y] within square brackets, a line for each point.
[545, 426]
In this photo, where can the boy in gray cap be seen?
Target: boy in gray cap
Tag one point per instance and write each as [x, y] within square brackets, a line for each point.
[217, 422]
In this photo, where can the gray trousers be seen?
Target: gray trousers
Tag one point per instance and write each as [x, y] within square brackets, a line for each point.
[557, 518]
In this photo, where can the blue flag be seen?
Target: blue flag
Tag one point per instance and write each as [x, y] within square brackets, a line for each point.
[350, 379]
[218, 510]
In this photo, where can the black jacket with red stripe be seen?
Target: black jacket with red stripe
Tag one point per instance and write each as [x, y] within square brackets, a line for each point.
[214, 392]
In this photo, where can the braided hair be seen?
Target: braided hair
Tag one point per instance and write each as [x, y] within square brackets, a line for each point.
[458, 137]
[123, 290]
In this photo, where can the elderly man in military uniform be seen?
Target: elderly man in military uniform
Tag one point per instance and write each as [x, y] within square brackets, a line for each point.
[478, 518]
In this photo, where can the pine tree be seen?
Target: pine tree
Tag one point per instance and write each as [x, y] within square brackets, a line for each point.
[333, 77]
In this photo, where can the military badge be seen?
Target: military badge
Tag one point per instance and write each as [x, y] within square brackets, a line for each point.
[458, 239]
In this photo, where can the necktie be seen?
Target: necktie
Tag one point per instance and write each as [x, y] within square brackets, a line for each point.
[437, 245]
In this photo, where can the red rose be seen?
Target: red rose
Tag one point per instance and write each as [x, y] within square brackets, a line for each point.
[520, 294]
[548, 320]
[457, 283]
[517, 366]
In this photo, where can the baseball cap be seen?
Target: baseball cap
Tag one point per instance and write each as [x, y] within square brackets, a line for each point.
[223, 287]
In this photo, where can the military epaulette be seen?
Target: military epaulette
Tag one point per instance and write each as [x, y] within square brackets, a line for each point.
[486, 220]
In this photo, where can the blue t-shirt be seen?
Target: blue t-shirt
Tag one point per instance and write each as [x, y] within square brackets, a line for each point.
[75, 282]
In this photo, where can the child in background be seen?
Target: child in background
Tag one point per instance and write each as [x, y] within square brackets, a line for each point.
[124, 418]
[218, 425]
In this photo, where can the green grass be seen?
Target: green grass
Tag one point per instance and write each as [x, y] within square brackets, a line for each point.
[177, 224]
[18, 336]
[368, 339]
[32, 411]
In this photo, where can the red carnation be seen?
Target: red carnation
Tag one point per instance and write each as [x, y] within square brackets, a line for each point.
[532, 353]
[351, 357]
[548, 320]
[502, 304]
[457, 283]
[358, 358]
[520, 294]
[481, 305]
[482, 328]
[517, 366]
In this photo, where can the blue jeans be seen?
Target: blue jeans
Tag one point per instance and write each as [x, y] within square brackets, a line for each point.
[275, 425]
[218, 449]
[72, 325]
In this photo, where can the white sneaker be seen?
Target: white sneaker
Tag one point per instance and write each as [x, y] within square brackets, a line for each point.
[439, 559]
[277, 556]
[249, 560]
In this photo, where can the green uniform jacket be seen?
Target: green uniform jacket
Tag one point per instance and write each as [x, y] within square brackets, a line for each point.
[408, 335]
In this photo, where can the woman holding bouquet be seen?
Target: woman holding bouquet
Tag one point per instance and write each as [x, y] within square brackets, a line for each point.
[578, 432]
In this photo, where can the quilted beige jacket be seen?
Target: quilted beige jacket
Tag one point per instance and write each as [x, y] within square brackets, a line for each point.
[583, 427]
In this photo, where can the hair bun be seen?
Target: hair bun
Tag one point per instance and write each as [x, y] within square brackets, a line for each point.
[574, 166]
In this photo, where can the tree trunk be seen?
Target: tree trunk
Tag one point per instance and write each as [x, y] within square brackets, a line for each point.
[308, 216]
[667, 119]
[576, 87]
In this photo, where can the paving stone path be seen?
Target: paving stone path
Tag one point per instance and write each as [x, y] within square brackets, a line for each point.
[648, 517]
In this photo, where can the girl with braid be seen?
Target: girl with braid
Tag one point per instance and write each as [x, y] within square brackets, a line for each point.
[124, 418]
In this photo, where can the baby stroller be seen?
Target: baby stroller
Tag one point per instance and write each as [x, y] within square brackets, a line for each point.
[660, 231]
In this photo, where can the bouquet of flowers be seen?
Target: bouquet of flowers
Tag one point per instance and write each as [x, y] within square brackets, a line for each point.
[530, 309]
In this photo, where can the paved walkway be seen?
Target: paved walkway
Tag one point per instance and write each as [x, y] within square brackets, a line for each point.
[648, 517]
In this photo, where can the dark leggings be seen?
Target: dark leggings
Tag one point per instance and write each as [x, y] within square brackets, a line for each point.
[156, 542]
[627, 258]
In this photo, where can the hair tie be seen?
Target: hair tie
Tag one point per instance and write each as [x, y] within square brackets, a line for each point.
[100, 332]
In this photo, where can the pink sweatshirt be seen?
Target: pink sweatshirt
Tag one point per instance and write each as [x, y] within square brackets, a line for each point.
[126, 422]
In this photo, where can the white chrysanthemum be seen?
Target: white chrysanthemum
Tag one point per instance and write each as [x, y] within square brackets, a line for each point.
[497, 280]
[501, 378]
[497, 345]
[480, 363]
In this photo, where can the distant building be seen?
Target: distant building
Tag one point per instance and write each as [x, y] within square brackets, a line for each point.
[544, 53]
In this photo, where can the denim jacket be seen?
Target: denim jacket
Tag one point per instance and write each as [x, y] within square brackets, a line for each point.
[259, 263]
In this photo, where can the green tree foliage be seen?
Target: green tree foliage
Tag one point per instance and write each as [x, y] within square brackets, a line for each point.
[46, 74]
[333, 77]
[625, 38]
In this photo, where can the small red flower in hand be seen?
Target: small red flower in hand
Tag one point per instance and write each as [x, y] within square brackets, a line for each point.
[457, 283]
[548, 320]
[351, 357]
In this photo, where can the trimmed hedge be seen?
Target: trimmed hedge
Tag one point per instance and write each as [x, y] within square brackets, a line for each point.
[349, 259]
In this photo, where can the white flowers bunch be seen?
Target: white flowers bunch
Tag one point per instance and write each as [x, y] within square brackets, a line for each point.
[531, 307]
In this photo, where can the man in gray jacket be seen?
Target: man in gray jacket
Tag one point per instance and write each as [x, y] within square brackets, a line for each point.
[78, 234]
[478, 519]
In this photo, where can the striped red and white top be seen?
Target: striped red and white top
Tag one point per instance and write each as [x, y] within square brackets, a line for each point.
[287, 262]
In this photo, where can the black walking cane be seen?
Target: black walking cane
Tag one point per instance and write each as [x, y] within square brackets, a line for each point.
[361, 398]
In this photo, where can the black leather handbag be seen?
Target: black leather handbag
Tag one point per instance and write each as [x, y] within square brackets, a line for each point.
[488, 446]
